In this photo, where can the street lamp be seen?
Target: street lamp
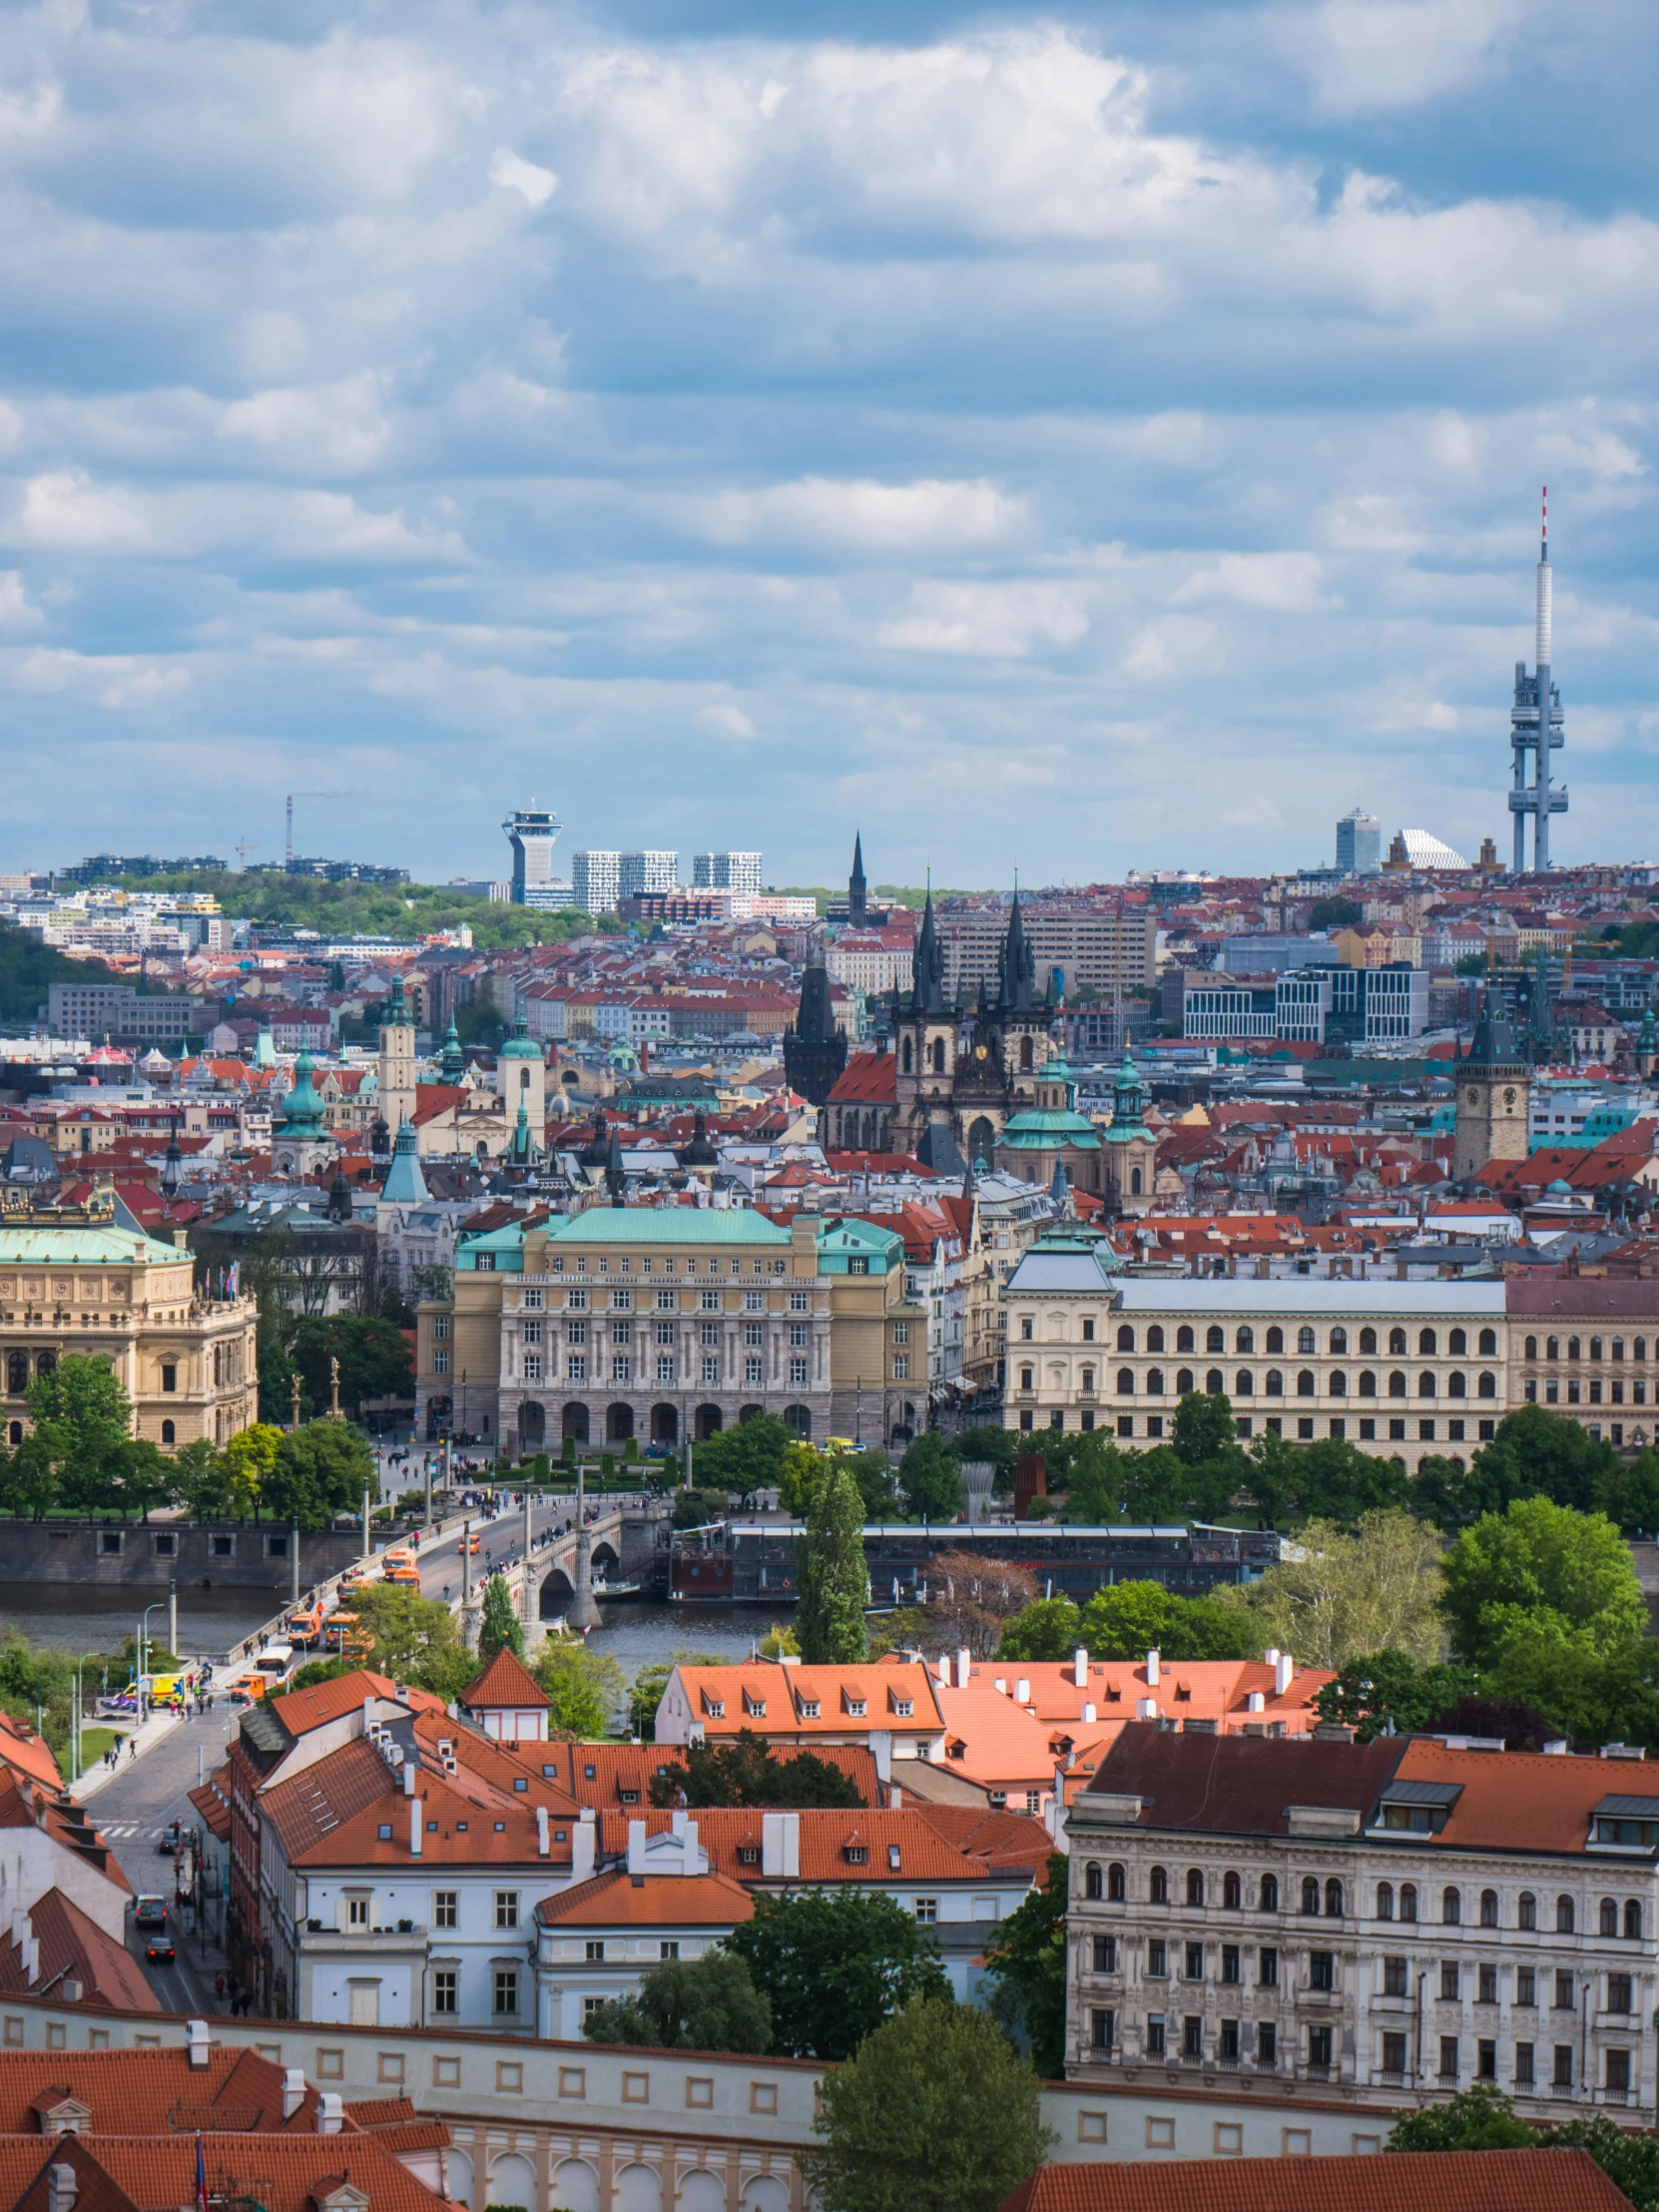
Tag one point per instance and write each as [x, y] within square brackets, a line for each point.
[75, 1717]
[142, 1648]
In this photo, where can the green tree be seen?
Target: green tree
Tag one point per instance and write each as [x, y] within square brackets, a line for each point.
[138, 1474]
[1051, 1628]
[82, 1416]
[201, 1473]
[798, 1476]
[707, 2003]
[934, 2114]
[1630, 2163]
[30, 1478]
[246, 1466]
[583, 1687]
[1028, 1958]
[1540, 1573]
[1386, 1688]
[1630, 1496]
[276, 1372]
[832, 1578]
[1334, 913]
[500, 1629]
[320, 1470]
[746, 1457]
[1131, 1618]
[696, 1508]
[372, 1353]
[1203, 1430]
[1342, 1596]
[930, 1480]
[1480, 2118]
[1537, 1453]
[744, 1772]
[415, 1639]
[1328, 1480]
[321, 1670]
[834, 1966]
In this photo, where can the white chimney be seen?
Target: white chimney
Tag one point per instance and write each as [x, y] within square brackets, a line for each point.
[944, 1669]
[780, 1846]
[1255, 1701]
[635, 1847]
[1080, 1669]
[1023, 1692]
[542, 1845]
[294, 2091]
[1146, 1709]
[1001, 1683]
[417, 1839]
[195, 2042]
[331, 2114]
[1556, 1747]
[1270, 1655]
[1089, 1713]
[583, 1837]
[60, 2187]
[964, 1667]
[1284, 1672]
[1152, 1670]
[895, 1795]
[409, 1772]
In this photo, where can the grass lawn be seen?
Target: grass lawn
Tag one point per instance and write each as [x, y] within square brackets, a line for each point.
[93, 1743]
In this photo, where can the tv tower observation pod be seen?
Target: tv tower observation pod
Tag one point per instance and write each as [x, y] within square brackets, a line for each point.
[1533, 796]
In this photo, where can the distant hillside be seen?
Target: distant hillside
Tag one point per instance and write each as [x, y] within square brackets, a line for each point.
[377, 909]
[26, 969]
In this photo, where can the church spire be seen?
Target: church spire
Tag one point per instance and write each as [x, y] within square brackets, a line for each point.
[927, 989]
[1019, 964]
[856, 891]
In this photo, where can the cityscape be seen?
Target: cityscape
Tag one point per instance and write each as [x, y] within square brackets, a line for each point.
[828, 1110]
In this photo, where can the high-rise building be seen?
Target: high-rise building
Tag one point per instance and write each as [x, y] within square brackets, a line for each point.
[1359, 843]
[595, 880]
[531, 836]
[647, 872]
[726, 871]
[1525, 716]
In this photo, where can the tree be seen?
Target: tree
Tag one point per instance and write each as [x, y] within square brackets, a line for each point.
[138, 1475]
[1386, 1688]
[500, 1628]
[372, 1353]
[81, 1416]
[969, 1598]
[1329, 1481]
[832, 1578]
[30, 1478]
[1540, 1573]
[646, 1692]
[1051, 1628]
[834, 1966]
[1028, 1959]
[745, 1772]
[198, 1471]
[1340, 1596]
[1203, 1430]
[1630, 2163]
[930, 1480]
[1334, 913]
[1132, 1618]
[934, 2114]
[583, 1687]
[320, 1470]
[696, 1508]
[746, 1457]
[1480, 2118]
[415, 1639]
[798, 1476]
[707, 2003]
[246, 1466]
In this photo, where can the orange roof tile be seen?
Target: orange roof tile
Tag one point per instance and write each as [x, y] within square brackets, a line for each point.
[505, 1684]
[622, 1899]
[1402, 2182]
[157, 2172]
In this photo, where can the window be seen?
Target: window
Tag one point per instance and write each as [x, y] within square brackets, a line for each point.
[170, 1376]
[1305, 1382]
[1318, 2048]
[1618, 1993]
[1609, 1916]
[1158, 1886]
[1451, 1907]
[596, 1949]
[445, 1989]
[1192, 1967]
[1183, 1339]
[1194, 1885]
[1155, 2035]
[1487, 1988]
[1450, 1982]
[1304, 1341]
[356, 1911]
[1485, 2061]
[1562, 2078]
[1266, 1969]
[1266, 2043]
[1231, 1891]
[1102, 2029]
[1563, 1916]
[1407, 1900]
[1523, 2067]
[1227, 2043]
[1618, 2073]
[505, 1990]
[1396, 1344]
[1322, 1969]
[1311, 1896]
[1633, 1920]
[1274, 1384]
[1333, 1900]
[1488, 1908]
[1527, 1914]
[1088, 1329]
[1230, 1963]
[1215, 1338]
[447, 1908]
[1487, 1346]
[1105, 1949]
[1276, 1340]
[1191, 2037]
[507, 1908]
[1117, 1884]
[1395, 1977]
[1448, 2058]
[169, 1433]
[1385, 1900]
[1527, 1986]
[1270, 1893]
[1393, 2054]
[1157, 1959]
[1245, 1341]
[1155, 1338]
[1092, 1884]
[1126, 1340]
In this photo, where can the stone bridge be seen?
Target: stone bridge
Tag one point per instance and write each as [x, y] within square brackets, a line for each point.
[622, 1543]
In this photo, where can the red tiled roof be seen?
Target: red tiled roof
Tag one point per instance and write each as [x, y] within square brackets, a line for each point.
[303, 1710]
[1398, 2181]
[828, 1833]
[869, 1078]
[620, 1899]
[506, 1684]
[140, 2090]
[72, 1945]
[157, 2172]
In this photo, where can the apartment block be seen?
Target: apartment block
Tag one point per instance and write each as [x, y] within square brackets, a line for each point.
[1104, 950]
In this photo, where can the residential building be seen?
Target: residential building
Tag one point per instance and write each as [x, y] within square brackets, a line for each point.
[595, 882]
[1588, 1347]
[1406, 1918]
[877, 962]
[119, 1010]
[647, 872]
[726, 871]
[890, 1705]
[1104, 949]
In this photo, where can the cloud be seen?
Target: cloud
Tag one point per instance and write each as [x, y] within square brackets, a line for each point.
[535, 186]
[725, 722]
[1371, 56]
[15, 610]
[1000, 620]
[865, 516]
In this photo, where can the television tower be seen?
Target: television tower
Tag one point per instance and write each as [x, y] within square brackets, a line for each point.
[1530, 730]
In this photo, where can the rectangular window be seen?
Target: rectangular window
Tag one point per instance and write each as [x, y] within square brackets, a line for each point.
[1394, 2053]
[440, 1363]
[576, 1331]
[901, 1331]
[1448, 2058]
[1563, 1992]
[1105, 1949]
[1489, 1985]
[1103, 2028]
[1192, 2036]
[1227, 2043]
[901, 1367]
[1618, 2073]
[1230, 1963]
[1524, 2065]
[1527, 1986]
[1266, 2043]
[440, 1327]
[754, 1333]
[621, 1366]
[170, 1376]
[1195, 1963]
[664, 1366]
[622, 1301]
[356, 1911]
[1618, 1993]
[1157, 1958]
[665, 1335]
[927, 1911]
[1155, 2035]
[1395, 1982]
[506, 1990]
[507, 1908]
[445, 1991]
[665, 1302]
[447, 1908]
[577, 1302]
[710, 1368]
[532, 1331]
[753, 1369]
[596, 1949]
[798, 1373]
[668, 1947]
[532, 1366]
[799, 1335]
[1268, 1969]
[576, 1366]
[710, 1301]
[1318, 2048]
[1448, 1982]
[622, 1332]
[533, 1300]
[799, 1302]
[1322, 1969]
[1562, 2077]
[1485, 2061]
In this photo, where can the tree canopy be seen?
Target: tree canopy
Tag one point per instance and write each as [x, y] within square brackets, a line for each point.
[833, 1967]
[1028, 1959]
[583, 1687]
[499, 1628]
[930, 1480]
[747, 1456]
[1340, 1596]
[745, 1772]
[1541, 1574]
[707, 2003]
[415, 1639]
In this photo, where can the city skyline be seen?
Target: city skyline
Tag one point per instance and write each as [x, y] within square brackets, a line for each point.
[1139, 483]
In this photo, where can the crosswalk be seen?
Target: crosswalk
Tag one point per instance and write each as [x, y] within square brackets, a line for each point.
[117, 1829]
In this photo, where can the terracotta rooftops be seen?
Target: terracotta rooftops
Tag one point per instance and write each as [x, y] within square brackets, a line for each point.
[804, 1702]
[848, 1844]
[141, 2092]
[157, 2172]
[73, 1947]
[1402, 2182]
[507, 1685]
[619, 1899]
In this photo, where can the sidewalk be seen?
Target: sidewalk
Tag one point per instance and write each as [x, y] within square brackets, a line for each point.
[151, 1731]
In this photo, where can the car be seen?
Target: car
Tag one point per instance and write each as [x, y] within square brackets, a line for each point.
[168, 1845]
[150, 1911]
[159, 1950]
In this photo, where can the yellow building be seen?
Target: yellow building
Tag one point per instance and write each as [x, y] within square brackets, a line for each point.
[77, 1279]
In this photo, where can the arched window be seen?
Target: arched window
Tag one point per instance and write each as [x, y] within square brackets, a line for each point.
[1488, 1908]
[1183, 1381]
[1194, 1885]
[1457, 1385]
[1158, 1886]
[1338, 1343]
[1367, 1384]
[1338, 1384]
[1232, 1893]
[1244, 1384]
[1457, 1344]
[1184, 1338]
[1275, 1383]
[1574, 1351]
[1155, 1381]
[1117, 1884]
[1025, 1056]
[1532, 1344]
[168, 1432]
[1245, 1341]
[1633, 1919]
[1638, 1351]
[1215, 1338]
[1407, 1900]
[939, 1055]
[1333, 1900]
[1396, 1344]
[1134, 1182]
[1563, 1916]
[1304, 1341]
[1126, 1382]
[907, 1056]
[1595, 1348]
[1276, 1340]
[1425, 1385]
[1488, 1347]
[1486, 1385]
[1094, 1880]
[1451, 1907]
[1618, 1348]
[1155, 1338]
[1397, 1384]
[1126, 1340]
[17, 1374]
[1385, 1900]
[1609, 1916]
[1528, 1912]
[1311, 1896]
[1305, 1382]
[1270, 1893]
[1426, 1344]
[1552, 1348]
[1368, 1344]
[1215, 1383]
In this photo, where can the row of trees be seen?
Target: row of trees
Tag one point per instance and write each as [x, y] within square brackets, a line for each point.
[925, 1485]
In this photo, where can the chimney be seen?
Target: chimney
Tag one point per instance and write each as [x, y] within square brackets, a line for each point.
[1255, 1701]
[1089, 1713]
[895, 1795]
[1023, 1692]
[1284, 1673]
[542, 1845]
[583, 1837]
[780, 1846]
[60, 2187]
[294, 2091]
[1270, 1655]
[1080, 1669]
[409, 1776]
[1146, 1709]
[196, 2041]
[964, 1667]
[635, 1847]
[331, 2114]
[944, 1669]
[1556, 1747]
[1153, 1670]
[418, 1805]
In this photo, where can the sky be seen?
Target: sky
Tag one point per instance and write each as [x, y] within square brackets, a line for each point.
[1102, 439]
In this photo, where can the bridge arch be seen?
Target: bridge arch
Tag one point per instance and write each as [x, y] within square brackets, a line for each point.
[557, 1590]
[606, 1562]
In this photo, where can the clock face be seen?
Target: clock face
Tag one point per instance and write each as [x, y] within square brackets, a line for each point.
[979, 1052]
[1509, 1098]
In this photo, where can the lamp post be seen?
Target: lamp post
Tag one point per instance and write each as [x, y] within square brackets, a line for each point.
[144, 1650]
[75, 1717]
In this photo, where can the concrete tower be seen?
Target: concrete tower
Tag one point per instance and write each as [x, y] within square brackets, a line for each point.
[1536, 726]
[531, 836]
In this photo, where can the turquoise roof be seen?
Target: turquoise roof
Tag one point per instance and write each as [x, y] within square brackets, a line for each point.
[675, 1225]
[1044, 1129]
[518, 1046]
[302, 1109]
[502, 1247]
[404, 1184]
[81, 1243]
[838, 1246]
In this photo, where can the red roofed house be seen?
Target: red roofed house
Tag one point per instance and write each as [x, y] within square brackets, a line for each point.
[1405, 2181]
[507, 1702]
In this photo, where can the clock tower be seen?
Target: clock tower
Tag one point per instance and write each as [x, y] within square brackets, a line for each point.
[1494, 1087]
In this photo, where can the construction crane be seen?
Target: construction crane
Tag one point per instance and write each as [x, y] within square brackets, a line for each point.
[242, 850]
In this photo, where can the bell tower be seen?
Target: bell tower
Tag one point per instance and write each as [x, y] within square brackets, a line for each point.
[1494, 1090]
[398, 1060]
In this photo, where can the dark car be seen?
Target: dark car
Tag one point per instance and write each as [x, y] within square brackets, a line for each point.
[159, 1950]
[168, 1845]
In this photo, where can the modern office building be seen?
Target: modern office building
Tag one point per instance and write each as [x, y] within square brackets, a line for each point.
[1359, 843]
[594, 882]
[531, 836]
[726, 871]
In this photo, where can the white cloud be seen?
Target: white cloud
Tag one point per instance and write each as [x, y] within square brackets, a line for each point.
[535, 186]
[15, 609]
[1008, 619]
[1369, 56]
[863, 515]
[1277, 583]
[67, 512]
[725, 722]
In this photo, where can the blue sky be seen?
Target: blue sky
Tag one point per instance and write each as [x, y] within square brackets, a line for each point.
[1077, 442]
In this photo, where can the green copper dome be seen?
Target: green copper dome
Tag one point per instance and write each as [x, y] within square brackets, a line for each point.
[302, 1109]
[518, 1046]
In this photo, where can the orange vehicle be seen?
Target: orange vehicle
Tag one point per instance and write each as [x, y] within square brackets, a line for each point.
[306, 1625]
[247, 1689]
[405, 1573]
[469, 1544]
